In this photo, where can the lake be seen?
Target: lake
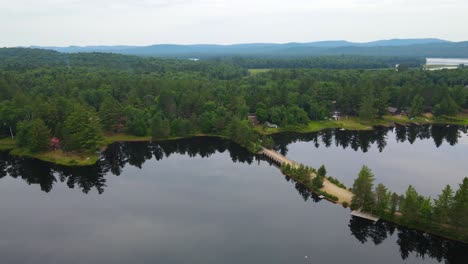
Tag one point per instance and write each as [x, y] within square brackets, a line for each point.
[446, 61]
[199, 200]
[427, 157]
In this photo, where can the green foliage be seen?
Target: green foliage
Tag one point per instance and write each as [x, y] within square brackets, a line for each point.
[160, 127]
[322, 172]
[33, 135]
[417, 106]
[459, 212]
[394, 203]
[301, 173]
[262, 115]
[137, 122]
[410, 204]
[111, 114]
[447, 106]
[382, 199]
[181, 127]
[268, 142]
[367, 110]
[317, 182]
[82, 130]
[443, 204]
[363, 190]
[242, 132]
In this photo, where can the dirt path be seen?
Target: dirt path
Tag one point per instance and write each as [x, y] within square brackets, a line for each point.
[342, 194]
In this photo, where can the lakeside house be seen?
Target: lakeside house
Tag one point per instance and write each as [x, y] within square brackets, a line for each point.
[253, 118]
[336, 115]
[270, 125]
[393, 110]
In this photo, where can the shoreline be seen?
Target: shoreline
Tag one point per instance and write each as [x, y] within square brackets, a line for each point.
[352, 123]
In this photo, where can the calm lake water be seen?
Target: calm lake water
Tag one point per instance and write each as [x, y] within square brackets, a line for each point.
[201, 200]
[427, 157]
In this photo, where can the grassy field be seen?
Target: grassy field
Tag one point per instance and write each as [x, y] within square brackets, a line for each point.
[111, 138]
[314, 126]
[7, 144]
[257, 71]
[60, 157]
[354, 123]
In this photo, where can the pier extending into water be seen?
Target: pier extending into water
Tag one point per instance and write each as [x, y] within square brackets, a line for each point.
[343, 195]
[277, 158]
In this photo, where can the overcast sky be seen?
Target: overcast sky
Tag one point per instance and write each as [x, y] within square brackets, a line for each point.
[145, 22]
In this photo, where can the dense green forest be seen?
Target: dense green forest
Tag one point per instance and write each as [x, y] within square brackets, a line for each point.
[450, 208]
[324, 62]
[78, 98]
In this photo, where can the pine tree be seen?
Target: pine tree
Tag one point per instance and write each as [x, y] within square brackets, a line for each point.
[394, 202]
[459, 212]
[39, 136]
[82, 130]
[382, 198]
[443, 204]
[317, 182]
[367, 110]
[417, 106]
[410, 203]
[322, 172]
[363, 190]
[111, 114]
[33, 135]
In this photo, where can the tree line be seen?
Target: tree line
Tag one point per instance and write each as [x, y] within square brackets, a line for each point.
[449, 208]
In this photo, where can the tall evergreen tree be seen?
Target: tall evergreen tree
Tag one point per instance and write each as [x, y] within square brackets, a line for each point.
[459, 212]
[322, 172]
[366, 109]
[33, 135]
[111, 114]
[82, 130]
[382, 198]
[417, 106]
[363, 190]
[410, 203]
[443, 204]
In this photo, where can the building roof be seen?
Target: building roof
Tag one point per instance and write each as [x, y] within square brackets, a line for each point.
[392, 109]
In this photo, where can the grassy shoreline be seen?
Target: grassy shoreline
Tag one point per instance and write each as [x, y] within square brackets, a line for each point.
[83, 158]
[354, 123]
[351, 123]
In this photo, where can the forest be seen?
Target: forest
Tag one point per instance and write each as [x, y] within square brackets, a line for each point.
[447, 213]
[82, 98]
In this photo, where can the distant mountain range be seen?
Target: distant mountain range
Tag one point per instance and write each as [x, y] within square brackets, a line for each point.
[428, 47]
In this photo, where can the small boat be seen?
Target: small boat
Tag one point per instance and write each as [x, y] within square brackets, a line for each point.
[321, 196]
[342, 129]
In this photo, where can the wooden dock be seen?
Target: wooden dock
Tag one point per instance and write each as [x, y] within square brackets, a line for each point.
[277, 158]
[367, 216]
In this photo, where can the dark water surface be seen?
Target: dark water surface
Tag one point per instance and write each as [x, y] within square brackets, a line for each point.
[200, 200]
[427, 157]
